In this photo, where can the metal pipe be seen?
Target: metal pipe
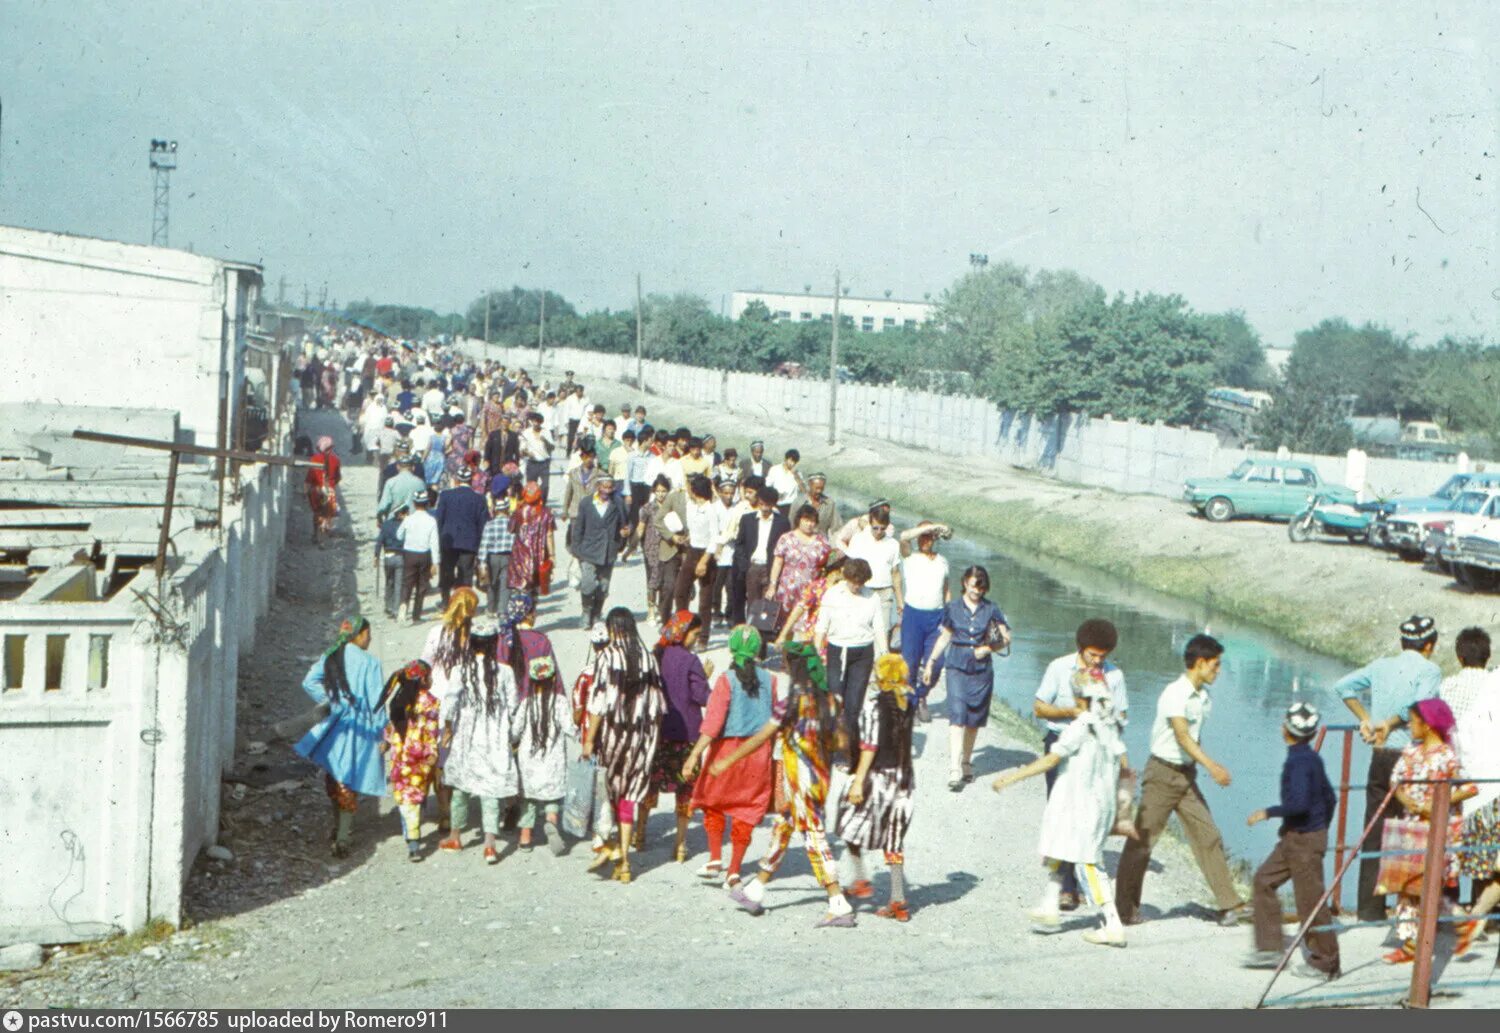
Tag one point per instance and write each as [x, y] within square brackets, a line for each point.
[1433, 871]
[1341, 842]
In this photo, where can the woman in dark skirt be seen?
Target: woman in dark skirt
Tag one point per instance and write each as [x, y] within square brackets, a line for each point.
[973, 629]
[684, 681]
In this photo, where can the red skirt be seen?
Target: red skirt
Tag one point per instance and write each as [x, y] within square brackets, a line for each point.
[744, 791]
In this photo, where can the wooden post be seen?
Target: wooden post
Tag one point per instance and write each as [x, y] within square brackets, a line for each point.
[165, 537]
[1434, 867]
[833, 368]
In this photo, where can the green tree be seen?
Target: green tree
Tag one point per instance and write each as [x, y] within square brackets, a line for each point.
[1368, 362]
[1240, 358]
[1304, 418]
[1458, 385]
[514, 314]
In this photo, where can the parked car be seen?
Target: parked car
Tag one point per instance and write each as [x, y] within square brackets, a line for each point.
[1435, 532]
[1403, 518]
[1263, 488]
[1475, 556]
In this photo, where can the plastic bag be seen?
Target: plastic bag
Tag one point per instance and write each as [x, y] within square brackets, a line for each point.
[1125, 807]
[578, 804]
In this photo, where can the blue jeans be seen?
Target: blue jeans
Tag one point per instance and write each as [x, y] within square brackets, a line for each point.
[919, 631]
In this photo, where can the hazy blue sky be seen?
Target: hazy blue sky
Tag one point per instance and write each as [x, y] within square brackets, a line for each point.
[1265, 156]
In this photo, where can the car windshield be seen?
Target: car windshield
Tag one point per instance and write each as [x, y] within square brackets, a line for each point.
[1239, 472]
[1452, 487]
[1470, 502]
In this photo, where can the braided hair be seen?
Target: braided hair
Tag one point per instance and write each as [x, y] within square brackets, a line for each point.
[401, 691]
[539, 703]
[810, 680]
[335, 673]
[478, 669]
[622, 631]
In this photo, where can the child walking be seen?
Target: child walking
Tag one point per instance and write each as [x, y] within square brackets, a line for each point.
[1306, 808]
[1080, 813]
[538, 730]
[808, 723]
[875, 811]
[739, 706]
[411, 746]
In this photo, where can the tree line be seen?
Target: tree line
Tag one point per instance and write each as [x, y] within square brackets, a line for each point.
[1045, 341]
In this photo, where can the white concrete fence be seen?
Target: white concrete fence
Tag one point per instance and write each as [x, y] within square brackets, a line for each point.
[1123, 455]
[120, 726]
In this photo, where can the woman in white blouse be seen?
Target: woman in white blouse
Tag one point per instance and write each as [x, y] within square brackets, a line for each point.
[924, 575]
[851, 633]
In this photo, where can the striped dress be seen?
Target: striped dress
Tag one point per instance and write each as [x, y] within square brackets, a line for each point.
[881, 820]
[630, 721]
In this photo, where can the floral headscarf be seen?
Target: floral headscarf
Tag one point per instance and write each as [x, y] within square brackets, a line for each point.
[517, 609]
[676, 629]
[532, 494]
[891, 675]
[349, 629]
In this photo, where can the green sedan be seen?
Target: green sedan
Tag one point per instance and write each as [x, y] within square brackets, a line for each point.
[1263, 488]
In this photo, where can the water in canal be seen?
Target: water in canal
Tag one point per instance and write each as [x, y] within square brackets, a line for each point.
[1045, 601]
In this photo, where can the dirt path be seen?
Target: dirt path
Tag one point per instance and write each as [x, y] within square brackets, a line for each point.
[283, 924]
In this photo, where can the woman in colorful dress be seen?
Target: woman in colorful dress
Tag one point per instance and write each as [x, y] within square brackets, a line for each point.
[346, 743]
[739, 706]
[445, 651]
[602, 820]
[624, 728]
[1429, 758]
[480, 758]
[875, 805]
[534, 548]
[541, 717]
[435, 462]
[322, 483]
[807, 722]
[803, 620]
[519, 645]
[684, 681]
[411, 746]
[973, 628]
[457, 443]
[799, 557]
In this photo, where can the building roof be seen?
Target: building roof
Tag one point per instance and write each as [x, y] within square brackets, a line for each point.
[847, 297]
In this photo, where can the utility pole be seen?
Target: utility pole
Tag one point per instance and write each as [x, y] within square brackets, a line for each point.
[640, 339]
[487, 295]
[541, 329]
[163, 161]
[281, 291]
[833, 368]
[323, 297]
[304, 295]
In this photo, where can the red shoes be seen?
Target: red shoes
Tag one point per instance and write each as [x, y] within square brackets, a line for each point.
[861, 890]
[895, 909]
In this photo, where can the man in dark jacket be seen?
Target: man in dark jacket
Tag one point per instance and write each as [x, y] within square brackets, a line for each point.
[503, 446]
[461, 515]
[754, 550]
[596, 533]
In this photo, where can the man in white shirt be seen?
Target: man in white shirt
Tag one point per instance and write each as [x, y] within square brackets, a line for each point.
[419, 539]
[851, 631]
[420, 435]
[703, 517]
[924, 582]
[536, 450]
[432, 400]
[786, 482]
[1056, 704]
[1169, 785]
[877, 547]
[735, 506]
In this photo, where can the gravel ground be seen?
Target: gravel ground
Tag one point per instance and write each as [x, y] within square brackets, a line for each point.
[283, 924]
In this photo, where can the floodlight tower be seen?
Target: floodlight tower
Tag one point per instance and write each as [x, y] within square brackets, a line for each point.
[163, 161]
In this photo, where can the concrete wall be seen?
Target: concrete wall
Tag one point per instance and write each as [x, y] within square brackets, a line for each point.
[112, 783]
[1118, 454]
[101, 323]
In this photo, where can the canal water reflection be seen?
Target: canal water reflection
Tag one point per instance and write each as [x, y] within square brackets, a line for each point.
[1046, 600]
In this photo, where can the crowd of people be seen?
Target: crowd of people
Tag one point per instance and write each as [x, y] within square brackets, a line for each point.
[836, 633]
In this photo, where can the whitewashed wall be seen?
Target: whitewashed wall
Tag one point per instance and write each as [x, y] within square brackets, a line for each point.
[1119, 454]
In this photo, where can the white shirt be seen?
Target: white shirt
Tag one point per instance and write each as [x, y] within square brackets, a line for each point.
[432, 400]
[1057, 687]
[729, 529]
[1179, 699]
[420, 437]
[672, 469]
[704, 522]
[851, 620]
[924, 577]
[784, 483]
[534, 445]
[419, 533]
[762, 554]
[882, 554]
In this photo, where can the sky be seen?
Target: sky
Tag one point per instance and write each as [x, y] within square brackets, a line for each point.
[1294, 160]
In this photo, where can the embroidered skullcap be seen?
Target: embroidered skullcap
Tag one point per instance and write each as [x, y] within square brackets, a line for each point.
[1301, 720]
[542, 669]
[1418, 630]
[599, 633]
[486, 625]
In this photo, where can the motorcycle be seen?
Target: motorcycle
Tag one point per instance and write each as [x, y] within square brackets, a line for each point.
[1357, 522]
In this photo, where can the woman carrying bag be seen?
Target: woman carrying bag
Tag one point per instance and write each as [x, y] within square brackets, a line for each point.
[973, 630]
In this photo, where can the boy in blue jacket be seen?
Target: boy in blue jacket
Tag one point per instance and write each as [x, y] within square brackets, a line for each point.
[1306, 810]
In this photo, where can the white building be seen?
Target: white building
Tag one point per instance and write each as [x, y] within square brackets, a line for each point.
[117, 692]
[870, 315]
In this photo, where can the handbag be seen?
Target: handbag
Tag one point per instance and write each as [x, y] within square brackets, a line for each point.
[763, 615]
[544, 577]
[578, 804]
[1408, 836]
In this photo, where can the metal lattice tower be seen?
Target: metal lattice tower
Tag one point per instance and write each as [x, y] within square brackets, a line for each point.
[163, 161]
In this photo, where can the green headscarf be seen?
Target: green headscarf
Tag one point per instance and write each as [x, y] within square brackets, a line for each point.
[744, 645]
[809, 655]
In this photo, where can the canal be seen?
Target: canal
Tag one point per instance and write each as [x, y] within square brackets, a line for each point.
[1046, 600]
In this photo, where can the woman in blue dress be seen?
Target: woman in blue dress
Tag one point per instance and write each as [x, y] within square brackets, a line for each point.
[346, 743]
[973, 628]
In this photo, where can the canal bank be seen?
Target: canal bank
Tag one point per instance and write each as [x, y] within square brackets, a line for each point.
[1333, 598]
